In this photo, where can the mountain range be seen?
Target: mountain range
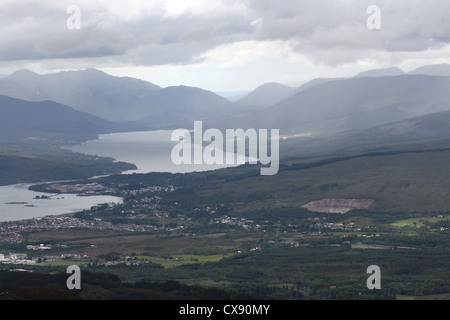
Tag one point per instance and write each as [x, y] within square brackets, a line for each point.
[272, 93]
[372, 108]
[351, 104]
[115, 98]
[428, 132]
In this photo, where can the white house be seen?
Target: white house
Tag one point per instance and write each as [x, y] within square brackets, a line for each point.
[18, 256]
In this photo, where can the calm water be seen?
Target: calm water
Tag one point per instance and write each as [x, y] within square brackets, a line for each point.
[18, 203]
[150, 151]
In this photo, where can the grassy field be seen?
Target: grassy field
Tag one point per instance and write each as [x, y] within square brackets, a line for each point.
[419, 222]
[66, 263]
[183, 259]
[429, 297]
[157, 246]
[166, 262]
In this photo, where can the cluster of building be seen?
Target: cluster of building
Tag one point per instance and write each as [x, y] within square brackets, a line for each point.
[23, 258]
[16, 258]
[151, 189]
[122, 262]
[240, 222]
[90, 189]
[339, 226]
[11, 237]
[13, 229]
[39, 247]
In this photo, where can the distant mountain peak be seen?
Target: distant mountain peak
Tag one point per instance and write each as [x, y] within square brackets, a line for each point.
[23, 73]
[94, 72]
[271, 84]
[90, 72]
[267, 94]
[433, 70]
[352, 104]
[386, 72]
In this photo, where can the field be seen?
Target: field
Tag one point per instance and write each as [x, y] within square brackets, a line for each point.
[419, 222]
[430, 297]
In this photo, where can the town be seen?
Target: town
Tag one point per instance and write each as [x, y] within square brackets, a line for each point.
[11, 231]
[90, 189]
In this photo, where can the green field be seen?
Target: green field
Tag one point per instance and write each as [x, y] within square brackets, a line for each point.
[430, 297]
[183, 259]
[419, 222]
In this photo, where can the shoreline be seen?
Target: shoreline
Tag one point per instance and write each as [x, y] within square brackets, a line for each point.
[18, 202]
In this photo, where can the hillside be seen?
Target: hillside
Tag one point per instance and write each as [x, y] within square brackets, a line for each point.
[266, 95]
[388, 72]
[352, 104]
[20, 169]
[442, 70]
[114, 98]
[375, 73]
[427, 132]
[395, 181]
[21, 119]
[175, 106]
[104, 286]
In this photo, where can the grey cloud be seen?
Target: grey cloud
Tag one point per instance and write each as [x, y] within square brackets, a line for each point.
[336, 28]
[148, 39]
[328, 32]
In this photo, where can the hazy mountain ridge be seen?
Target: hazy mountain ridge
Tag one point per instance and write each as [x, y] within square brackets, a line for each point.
[20, 117]
[426, 132]
[114, 98]
[30, 136]
[387, 72]
[353, 104]
[186, 104]
[267, 95]
[321, 106]
[272, 93]
[442, 70]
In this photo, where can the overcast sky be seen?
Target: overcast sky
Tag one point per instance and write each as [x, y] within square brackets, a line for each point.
[222, 45]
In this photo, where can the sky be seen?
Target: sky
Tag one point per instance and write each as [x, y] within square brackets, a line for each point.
[223, 45]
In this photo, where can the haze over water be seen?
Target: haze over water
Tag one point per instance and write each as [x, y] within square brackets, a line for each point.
[150, 151]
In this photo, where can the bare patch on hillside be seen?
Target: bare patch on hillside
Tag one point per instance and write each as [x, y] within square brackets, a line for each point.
[338, 205]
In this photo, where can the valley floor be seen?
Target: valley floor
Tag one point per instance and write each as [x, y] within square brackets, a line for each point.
[239, 232]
